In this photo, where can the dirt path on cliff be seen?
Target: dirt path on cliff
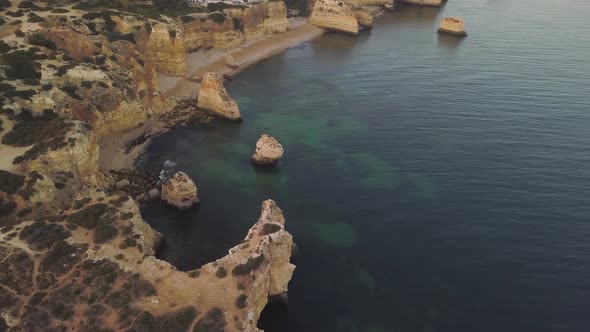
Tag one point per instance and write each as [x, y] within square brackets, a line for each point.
[247, 54]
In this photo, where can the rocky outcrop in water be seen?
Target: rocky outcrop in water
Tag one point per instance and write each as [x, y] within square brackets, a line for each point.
[333, 15]
[214, 98]
[180, 191]
[268, 151]
[453, 25]
[266, 17]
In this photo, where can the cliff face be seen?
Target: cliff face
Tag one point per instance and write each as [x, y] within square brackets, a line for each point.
[214, 98]
[363, 16]
[333, 15]
[453, 26]
[163, 47]
[266, 17]
[208, 34]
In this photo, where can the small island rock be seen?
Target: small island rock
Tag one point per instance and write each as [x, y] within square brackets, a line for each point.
[214, 98]
[453, 26]
[268, 151]
[180, 191]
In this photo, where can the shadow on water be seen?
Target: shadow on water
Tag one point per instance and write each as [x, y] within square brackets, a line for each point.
[449, 41]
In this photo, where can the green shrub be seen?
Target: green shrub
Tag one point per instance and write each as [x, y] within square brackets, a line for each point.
[217, 18]
[34, 18]
[40, 39]
[21, 64]
[220, 6]
[60, 11]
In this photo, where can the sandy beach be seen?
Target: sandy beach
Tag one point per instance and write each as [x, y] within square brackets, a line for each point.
[247, 54]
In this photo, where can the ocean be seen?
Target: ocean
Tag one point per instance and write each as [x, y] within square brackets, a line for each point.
[431, 183]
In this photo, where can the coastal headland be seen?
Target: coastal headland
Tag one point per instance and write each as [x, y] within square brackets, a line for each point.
[83, 88]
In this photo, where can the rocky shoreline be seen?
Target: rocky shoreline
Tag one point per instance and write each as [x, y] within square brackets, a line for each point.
[80, 99]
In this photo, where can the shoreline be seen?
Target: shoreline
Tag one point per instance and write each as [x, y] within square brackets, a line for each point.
[112, 149]
[245, 55]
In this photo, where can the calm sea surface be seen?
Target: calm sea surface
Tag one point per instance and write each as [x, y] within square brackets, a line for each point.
[432, 183]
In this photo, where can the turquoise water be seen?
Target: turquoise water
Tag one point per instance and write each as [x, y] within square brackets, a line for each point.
[432, 183]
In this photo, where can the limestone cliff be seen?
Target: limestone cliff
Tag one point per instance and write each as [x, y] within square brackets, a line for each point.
[334, 15]
[163, 47]
[266, 17]
[204, 33]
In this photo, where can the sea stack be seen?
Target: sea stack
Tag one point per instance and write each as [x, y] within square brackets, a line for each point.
[214, 98]
[452, 25]
[180, 191]
[268, 151]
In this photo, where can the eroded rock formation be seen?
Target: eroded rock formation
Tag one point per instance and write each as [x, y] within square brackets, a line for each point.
[453, 25]
[180, 191]
[214, 98]
[163, 46]
[334, 15]
[90, 267]
[268, 151]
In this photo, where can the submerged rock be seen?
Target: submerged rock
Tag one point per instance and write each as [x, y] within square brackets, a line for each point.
[268, 151]
[180, 191]
[452, 25]
[214, 98]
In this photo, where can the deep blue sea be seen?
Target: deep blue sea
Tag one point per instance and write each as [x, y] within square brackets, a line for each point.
[432, 184]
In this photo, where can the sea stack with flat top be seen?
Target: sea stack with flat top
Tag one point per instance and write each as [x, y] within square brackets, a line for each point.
[268, 151]
[453, 26]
